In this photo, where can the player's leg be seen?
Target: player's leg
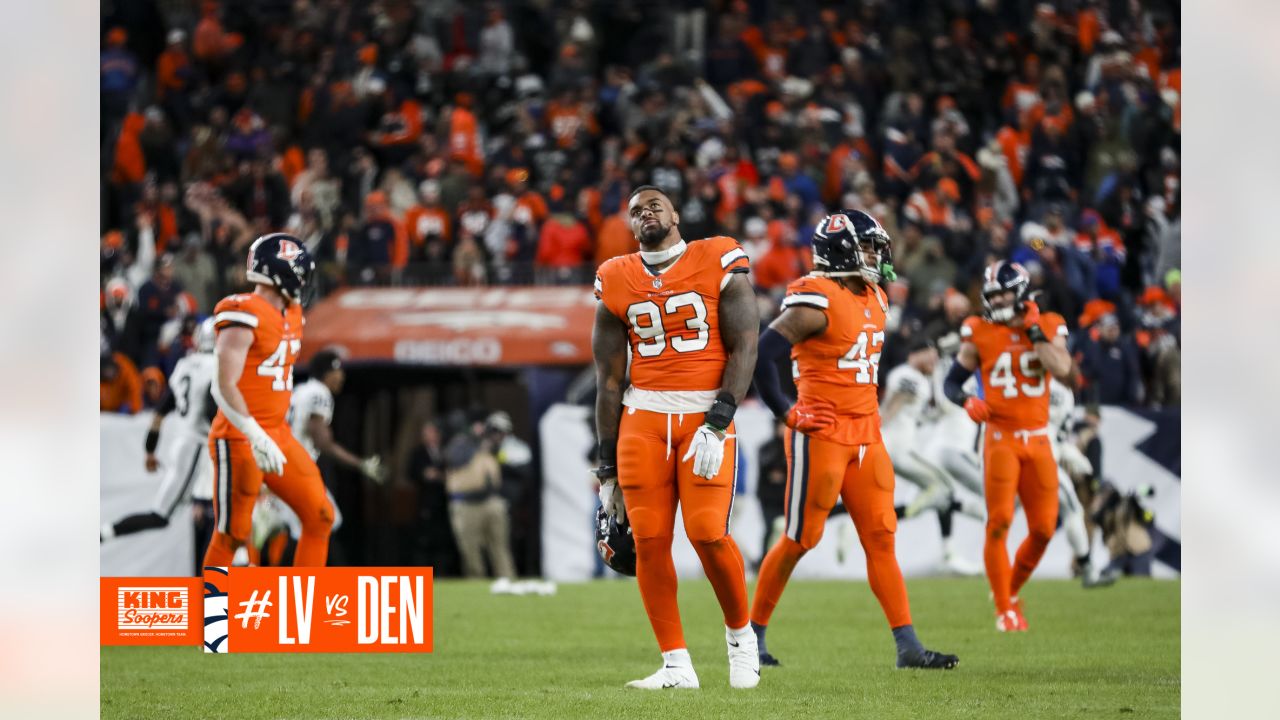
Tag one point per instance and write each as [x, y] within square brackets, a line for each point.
[302, 489]
[1038, 489]
[646, 474]
[867, 489]
[464, 517]
[935, 493]
[175, 487]
[707, 507]
[1002, 469]
[815, 469]
[236, 481]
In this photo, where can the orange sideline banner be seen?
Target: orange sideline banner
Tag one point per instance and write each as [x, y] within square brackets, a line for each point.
[484, 326]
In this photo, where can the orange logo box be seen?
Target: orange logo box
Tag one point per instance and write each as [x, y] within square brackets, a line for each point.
[344, 609]
[150, 611]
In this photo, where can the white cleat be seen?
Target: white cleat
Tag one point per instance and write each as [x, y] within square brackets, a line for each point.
[744, 658]
[670, 677]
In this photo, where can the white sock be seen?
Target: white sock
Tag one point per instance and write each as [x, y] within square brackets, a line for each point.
[742, 631]
[107, 531]
[677, 658]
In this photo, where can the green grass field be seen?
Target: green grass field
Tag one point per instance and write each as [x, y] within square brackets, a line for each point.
[1100, 653]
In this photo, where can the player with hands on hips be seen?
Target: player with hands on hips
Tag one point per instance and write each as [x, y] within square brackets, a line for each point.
[832, 329]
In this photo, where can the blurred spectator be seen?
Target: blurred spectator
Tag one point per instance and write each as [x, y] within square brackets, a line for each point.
[153, 387]
[157, 302]
[429, 225]
[378, 242]
[615, 238]
[121, 319]
[118, 69]
[119, 385]
[564, 243]
[433, 531]
[1110, 365]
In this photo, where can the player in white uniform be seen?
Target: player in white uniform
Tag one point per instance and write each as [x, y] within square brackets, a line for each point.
[310, 413]
[188, 472]
[909, 392]
[1071, 461]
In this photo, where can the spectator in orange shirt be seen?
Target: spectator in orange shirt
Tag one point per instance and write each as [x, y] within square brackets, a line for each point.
[119, 386]
[564, 244]
[785, 260]
[173, 68]
[615, 238]
[209, 41]
[428, 225]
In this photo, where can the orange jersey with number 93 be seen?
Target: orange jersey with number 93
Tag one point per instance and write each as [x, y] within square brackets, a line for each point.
[842, 363]
[1014, 383]
[267, 380]
[673, 318]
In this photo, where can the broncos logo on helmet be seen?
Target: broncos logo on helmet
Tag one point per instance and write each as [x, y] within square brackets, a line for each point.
[281, 261]
[842, 238]
[614, 543]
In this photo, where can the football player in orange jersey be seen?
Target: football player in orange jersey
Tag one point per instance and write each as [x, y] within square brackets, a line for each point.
[832, 327]
[1013, 345]
[686, 316]
[259, 335]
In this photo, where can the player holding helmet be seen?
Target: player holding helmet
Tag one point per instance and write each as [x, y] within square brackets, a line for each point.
[832, 326]
[1016, 348]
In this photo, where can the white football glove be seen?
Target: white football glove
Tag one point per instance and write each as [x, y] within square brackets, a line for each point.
[611, 499]
[372, 468]
[707, 451]
[265, 451]
[1074, 461]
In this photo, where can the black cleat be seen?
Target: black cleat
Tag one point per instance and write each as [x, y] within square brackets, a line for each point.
[928, 660]
[767, 659]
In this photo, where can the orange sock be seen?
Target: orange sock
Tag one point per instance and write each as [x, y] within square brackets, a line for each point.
[1001, 489]
[775, 570]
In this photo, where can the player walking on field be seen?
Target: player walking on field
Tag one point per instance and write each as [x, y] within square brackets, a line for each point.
[685, 315]
[832, 327]
[259, 336]
[1013, 345]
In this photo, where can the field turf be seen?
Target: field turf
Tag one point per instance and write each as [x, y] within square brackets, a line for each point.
[1099, 653]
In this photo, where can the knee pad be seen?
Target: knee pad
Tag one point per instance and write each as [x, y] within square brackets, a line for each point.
[226, 541]
[706, 526]
[879, 536]
[997, 528]
[649, 524]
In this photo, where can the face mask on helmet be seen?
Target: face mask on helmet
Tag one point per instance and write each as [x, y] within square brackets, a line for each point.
[842, 242]
[1000, 279]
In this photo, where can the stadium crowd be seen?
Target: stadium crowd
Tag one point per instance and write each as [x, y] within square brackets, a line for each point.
[450, 143]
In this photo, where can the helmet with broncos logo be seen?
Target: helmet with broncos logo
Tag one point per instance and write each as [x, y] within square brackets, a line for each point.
[281, 261]
[842, 238]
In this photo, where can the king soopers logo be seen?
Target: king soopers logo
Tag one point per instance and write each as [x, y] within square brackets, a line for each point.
[153, 608]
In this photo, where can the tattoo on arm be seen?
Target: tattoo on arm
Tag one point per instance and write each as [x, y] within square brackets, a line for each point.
[609, 346]
[740, 332]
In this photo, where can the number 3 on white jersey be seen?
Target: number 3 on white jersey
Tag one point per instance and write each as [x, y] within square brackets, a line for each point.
[868, 366]
[274, 366]
[1002, 375]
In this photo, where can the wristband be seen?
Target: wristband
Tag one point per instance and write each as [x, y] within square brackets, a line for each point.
[721, 413]
[1036, 335]
[608, 454]
[153, 439]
